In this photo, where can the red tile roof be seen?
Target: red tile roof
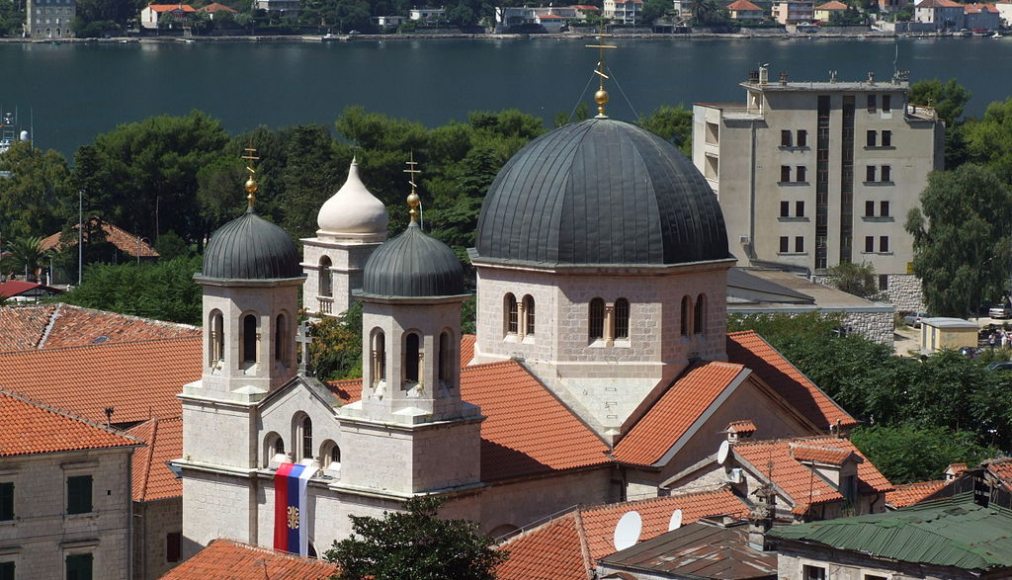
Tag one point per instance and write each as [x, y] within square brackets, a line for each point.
[529, 431]
[568, 546]
[62, 325]
[139, 380]
[30, 427]
[908, 494]
[939, 4]
[1002, 470]
[12, 288]
[151, 478]
[230, 560]
[525, 433]
[749, 349]
[742, 426]
[124, 241]
[553, 551]
[832, 5]
[743, 6]
[822, 454]
[798, 481]
[216, 7]
[676, 412]
[467, 349]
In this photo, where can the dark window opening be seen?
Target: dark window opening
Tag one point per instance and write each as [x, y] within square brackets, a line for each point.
[799, 209]
[173, 546]
[799, 244]
[785, 138]
[596, 319]
[621, 318]
[871, 103]
[784, 244]
[6, 570]
[785, 208]
[887, 173]
[307, 438]
[883, 244]
[6, 501]
[869, 175]
[686, 305]
[887, 138]
[379, 358]
[802, 173]
[249, 338]
[871, 139]
[883, 282]
[326, 282]
[802, 138]
[869, 208]
[887, 103]
[884, 209]
[869, 244]
[79, 566]
[785, 173]
[279, 338]
[411, 349]
[79, 494]
[699, 321]
[529, 314]
[511, 314]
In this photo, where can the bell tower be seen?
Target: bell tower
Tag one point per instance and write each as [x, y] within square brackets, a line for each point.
[411, 432]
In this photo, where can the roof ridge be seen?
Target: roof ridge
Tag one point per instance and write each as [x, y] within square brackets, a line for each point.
[53, 316]
[66, 414]
[111, 345]
[581, 535]
[128, 316]
[601, 506]
[150, 456]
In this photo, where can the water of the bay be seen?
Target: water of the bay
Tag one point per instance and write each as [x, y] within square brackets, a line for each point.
[76, 91]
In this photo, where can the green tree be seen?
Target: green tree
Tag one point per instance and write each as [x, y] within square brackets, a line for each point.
[35, 198]
[415, 544]
[673, 124]
[962, 242]
[948, 98]
[27, 256]
[12, 18]
[654, 10]
[989, 140]
[163, 290]
[857, 279]
[336, 350]
[907, 452]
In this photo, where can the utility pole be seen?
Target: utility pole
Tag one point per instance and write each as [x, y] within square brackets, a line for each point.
[80, 235]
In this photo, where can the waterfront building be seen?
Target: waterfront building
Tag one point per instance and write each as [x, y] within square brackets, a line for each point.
[745, 11]
[892, 5]
[624, 12]
[284, 6]
[49, 18]
[811, 174]
[981, 18]
[151, 13]
[793, 12]
[427, 14]
[939, 14]
[824, 12]
[352, 224]
[388, 22]
[1005, 12]
[64, 494]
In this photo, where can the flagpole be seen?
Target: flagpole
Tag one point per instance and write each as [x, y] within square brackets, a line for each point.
[80, 236]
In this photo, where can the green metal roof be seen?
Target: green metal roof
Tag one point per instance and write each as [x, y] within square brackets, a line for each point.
[951, 532]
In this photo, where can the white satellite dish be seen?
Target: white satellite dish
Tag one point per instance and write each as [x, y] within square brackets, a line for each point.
[627, 531]
[723, 451]
[676, 520]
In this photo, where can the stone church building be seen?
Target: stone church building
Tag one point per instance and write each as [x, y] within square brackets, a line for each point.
[601, 366]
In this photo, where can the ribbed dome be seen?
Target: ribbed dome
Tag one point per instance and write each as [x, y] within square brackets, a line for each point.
[413, 265]
[250, 248]
[601, 192]
[353, 212]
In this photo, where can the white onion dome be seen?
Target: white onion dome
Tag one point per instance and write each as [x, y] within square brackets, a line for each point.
[353, 213]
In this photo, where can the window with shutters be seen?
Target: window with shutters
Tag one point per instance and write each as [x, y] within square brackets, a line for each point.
[79, 494]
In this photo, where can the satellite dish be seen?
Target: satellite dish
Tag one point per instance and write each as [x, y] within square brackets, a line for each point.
[723, 451]
[676, 520]
[627, 532]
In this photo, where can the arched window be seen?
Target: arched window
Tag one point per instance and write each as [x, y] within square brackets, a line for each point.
[528, 315]
[686, 313]
[217, 343]
[445, 357]
[621, 318]
[330, 455]
[280, 339]
[412, 345]
[306, 433]
[699, 321]
[379, 357]
[596, 319]
[325, 281]
[249, 338]
[273, 445]
[510, 314]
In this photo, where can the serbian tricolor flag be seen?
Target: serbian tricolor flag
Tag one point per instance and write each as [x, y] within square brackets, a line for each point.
[291, 532]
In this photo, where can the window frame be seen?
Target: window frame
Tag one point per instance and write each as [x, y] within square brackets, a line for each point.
[887, 103]
[530, 311]
[884, 208]
[869, 244]
[785, 209]
[872, 103]
[883, 244]
[887, 138]
[799, 244]
[511, 314]
[802, 138]
[786, 138]
[871, 138]
[886, 174]
[595, 319]
[869, 173]
[801, 174]
[90, 570]
[785, 244]
[622, 310]
[7, 511]
[785, 174]
[173, 547]
[799, 208]
[412, 360]
[76, 498]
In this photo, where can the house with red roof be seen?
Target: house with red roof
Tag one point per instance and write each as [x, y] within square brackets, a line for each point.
[745, 11]
[152, 13]
[21, 291]
[981, 18]
[824, 12]
[939, 14]
[231, 560]
[65, 508]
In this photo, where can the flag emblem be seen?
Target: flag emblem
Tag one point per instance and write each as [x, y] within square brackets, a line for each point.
[291, 532]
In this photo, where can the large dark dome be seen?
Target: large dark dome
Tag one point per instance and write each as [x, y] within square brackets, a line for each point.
[250, 248]
[600, 192]
[413, 265]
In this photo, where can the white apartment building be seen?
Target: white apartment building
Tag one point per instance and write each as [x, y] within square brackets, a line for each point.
[811, 174]
[625, 12]
[793, 11]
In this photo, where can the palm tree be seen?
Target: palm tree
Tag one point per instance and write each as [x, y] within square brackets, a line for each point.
[27, 256]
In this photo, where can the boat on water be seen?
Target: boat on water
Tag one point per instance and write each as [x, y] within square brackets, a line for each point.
[9, 133]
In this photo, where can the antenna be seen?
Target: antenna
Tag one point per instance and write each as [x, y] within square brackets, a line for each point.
[676, 520]
[628, 529]
[723, 451]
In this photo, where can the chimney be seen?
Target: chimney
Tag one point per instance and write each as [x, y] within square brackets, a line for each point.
[832, 76]
[764, 75]
[783, 79]
[871, 78]
[760, 519]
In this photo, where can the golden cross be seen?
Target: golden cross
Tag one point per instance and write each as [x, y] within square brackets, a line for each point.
[251, 184]
[412, 170]
[250, 157]
[602, 96]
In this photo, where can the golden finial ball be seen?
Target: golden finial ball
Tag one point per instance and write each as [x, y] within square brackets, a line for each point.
[601, 97]
[413, 200]
[251, 186]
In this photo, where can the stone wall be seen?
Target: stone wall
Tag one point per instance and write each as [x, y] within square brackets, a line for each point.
[905, 293]
[876, 326]
[153, 522]
[42, 534]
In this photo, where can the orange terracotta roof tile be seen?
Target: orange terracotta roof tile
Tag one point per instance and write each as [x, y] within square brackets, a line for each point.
[151, 478]
[63, 325]
[231, 560]
[567, 547]
[825, 455]
[217, 7]
[467, 349]
[347, 390]
[553, 551]
[909, 494]
[599, 521]
[124, 241]
[139, 380]
[832, 5]
[675, 412]
[1002, 470]
[30, 427]
[743, 6]
[741, 426]
[527, 430]
[798, 481]
[749, 349]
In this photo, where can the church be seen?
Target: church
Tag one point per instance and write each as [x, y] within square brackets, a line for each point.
[601, 368]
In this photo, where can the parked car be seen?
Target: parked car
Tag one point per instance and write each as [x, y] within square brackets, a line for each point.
[1000, 365]
[914, 319]
[999, 311]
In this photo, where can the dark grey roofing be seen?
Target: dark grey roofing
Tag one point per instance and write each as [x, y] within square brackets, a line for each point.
[601, 192]
[743, 285]
[413, 265]
[251, 248]
[698, 550]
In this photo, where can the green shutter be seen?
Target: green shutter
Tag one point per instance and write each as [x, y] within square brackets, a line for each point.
[6, 504]
[79, 494]
[79, 566]
[6, 569]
